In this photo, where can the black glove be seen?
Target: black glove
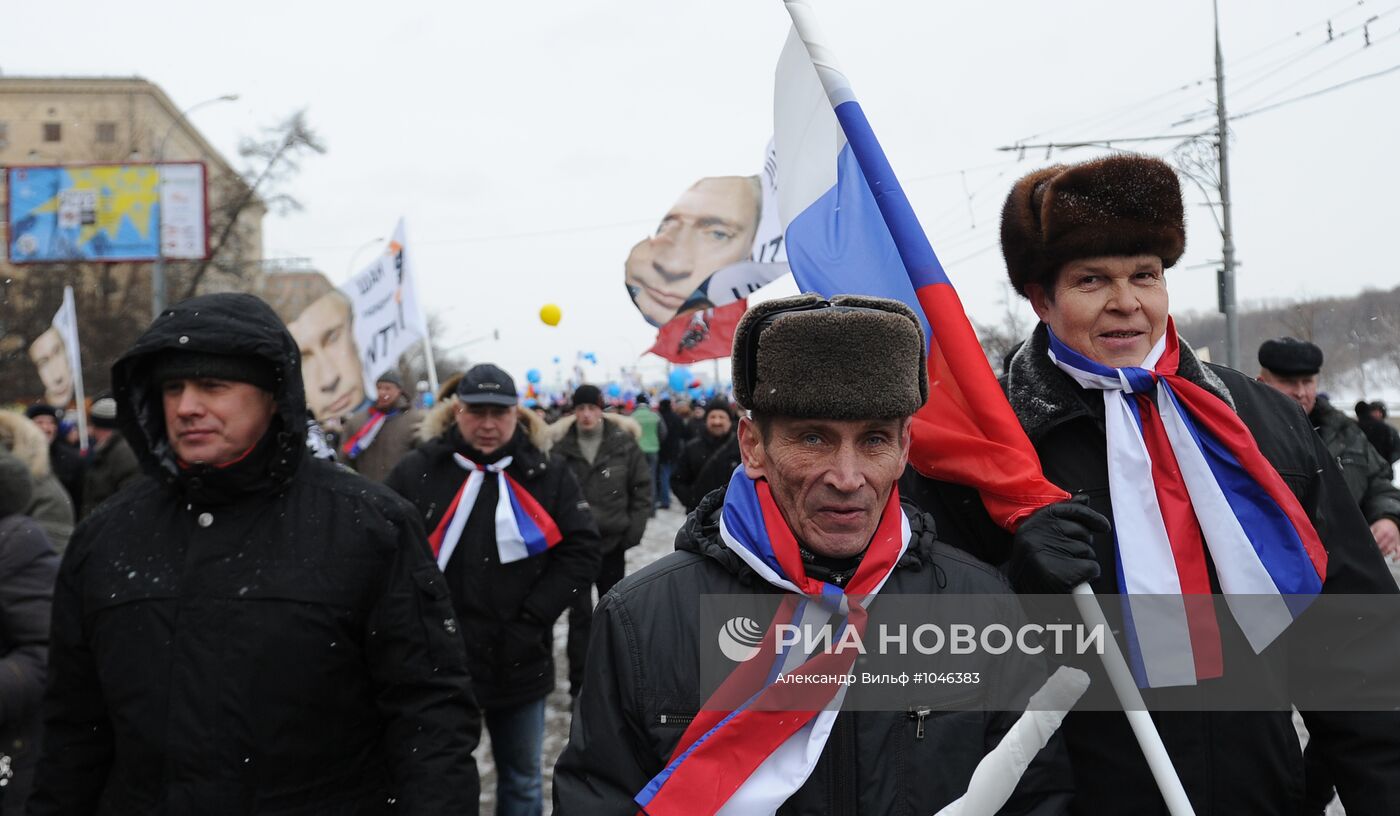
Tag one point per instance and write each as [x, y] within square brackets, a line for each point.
[1052, 552]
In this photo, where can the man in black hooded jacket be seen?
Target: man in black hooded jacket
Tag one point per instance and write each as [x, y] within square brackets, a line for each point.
[245, 628]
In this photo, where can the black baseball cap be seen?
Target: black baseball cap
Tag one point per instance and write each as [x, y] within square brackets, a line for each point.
[486, 384]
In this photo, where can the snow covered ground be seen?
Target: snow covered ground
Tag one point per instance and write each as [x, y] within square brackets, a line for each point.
[659, 539]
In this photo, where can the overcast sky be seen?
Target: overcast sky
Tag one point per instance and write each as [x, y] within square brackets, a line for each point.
[530, 145]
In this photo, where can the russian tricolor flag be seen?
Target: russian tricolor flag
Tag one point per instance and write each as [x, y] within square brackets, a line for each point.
[849, 229]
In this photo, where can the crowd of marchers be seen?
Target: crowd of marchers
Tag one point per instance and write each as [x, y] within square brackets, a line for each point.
[212, 606]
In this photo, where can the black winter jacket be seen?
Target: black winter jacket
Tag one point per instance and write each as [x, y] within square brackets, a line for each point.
[271, 637]
[1233, 762]
[617, 483]
[1367, 474]
[507, 610]
[706, 464]
[642, 689]
[28, 565]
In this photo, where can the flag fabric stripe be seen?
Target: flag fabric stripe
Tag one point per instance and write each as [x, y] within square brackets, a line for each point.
[524, 529]
[1202, 496]
[859, 235]
[365, 436]
[755, 741]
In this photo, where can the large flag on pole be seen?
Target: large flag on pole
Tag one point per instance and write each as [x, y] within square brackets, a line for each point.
[388, 316]
[850, 229]
[65, 322]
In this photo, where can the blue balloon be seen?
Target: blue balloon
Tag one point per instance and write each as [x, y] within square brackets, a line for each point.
[531, 402]
[679, 379]
[556, 361]
[614, 390]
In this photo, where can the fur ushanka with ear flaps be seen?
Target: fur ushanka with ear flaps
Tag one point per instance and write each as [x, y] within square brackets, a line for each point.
[850, 358]
[1119, 205]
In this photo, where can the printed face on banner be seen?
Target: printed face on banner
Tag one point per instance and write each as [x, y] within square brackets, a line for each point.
[330, 360]
[50, 356]
[716, 244]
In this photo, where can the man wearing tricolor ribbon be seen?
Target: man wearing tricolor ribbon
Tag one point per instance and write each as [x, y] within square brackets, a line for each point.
[1215, 485]
[379, 436]
[513, 535]
[813, 517]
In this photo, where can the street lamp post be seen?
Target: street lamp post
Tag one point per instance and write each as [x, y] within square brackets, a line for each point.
[158, 273]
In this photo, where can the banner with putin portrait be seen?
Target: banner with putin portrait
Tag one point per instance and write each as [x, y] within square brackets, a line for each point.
[350, 335]
[721, 241]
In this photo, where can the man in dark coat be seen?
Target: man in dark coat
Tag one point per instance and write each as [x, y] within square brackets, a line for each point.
[113, 463]
[707, 461]
[1385, 438]
[66, 461]
[1088, 245]
[671, 444]
[827, 454]
[246, 628]
[602, 451]
[379, 436]
[1291, 367]
[517, 544]
[28, 565]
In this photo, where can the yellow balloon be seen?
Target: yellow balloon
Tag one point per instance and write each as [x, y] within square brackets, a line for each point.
[550, 314]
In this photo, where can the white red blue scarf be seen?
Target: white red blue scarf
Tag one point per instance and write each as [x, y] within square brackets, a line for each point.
[1183, 466]
[364, 437]
[755, 742]
[523, 527]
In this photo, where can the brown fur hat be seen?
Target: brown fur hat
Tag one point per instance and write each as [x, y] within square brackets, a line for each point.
[851, 357]
[1119, 205]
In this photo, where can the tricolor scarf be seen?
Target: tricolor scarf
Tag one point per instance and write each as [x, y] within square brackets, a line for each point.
[1182, 466]
[364, 437]
[755, 742]
[523, 528]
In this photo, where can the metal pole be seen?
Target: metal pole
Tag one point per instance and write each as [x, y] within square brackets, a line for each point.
[1227, 250]
[158, 271]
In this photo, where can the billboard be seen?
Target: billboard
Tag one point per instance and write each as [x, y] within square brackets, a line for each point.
[107, 212]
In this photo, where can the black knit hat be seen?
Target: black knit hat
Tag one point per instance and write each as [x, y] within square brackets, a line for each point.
[851, 357]
[104, 411]
[39, 409]
[588, 395]
[719, 404]
[1290, 357]
[203, 365]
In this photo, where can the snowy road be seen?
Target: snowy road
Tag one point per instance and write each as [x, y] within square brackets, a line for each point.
[658, 540]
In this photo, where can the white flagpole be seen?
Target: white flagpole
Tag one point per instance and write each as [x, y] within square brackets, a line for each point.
[838, 90]
[1133, 708]
[75, 362]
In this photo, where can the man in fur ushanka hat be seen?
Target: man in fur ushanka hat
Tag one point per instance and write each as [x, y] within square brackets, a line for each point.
[828, 388]
[1244, 499]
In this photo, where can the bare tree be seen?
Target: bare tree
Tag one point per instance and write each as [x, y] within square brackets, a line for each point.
[276, 158]
[1000, 339]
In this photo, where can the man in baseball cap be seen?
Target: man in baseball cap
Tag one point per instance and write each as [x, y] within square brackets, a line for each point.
[512, 574]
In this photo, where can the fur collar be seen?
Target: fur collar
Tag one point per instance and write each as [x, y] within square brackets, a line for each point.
[561, 427]
[1042, 395]
[439, 419]
[21, 437]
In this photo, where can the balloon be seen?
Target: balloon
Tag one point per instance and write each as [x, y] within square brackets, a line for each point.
[533, 375]
[550, 314]
[614, 390]
[531, 402]
[556, 361]
[590, 357]
[679, 378]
